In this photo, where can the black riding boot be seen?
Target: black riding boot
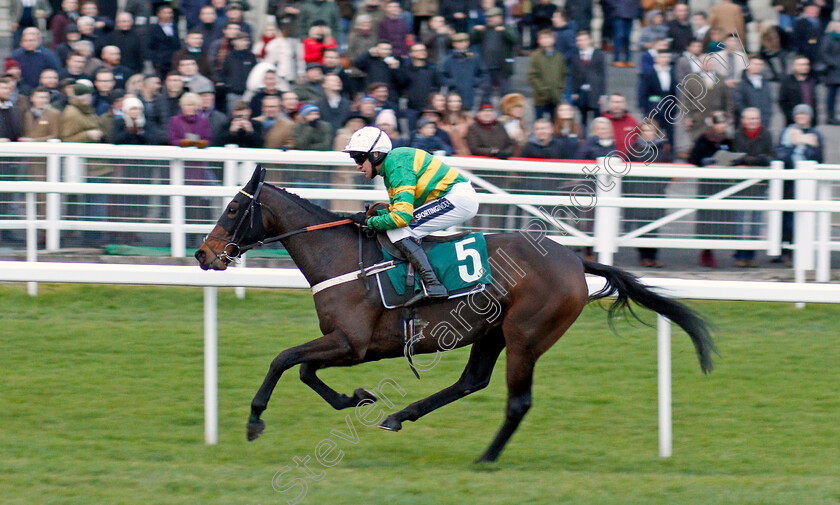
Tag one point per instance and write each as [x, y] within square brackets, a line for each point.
[418, 259]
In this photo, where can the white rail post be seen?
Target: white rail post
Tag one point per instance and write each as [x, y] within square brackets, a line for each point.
[178, 239]
[607, 219]
[663, 332]
[775, 192]
[53, 202]
[804, 226]
[31, 238]
[211, 393]
[823, 234]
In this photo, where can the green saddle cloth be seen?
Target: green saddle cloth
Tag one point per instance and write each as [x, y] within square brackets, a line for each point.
[459, 264]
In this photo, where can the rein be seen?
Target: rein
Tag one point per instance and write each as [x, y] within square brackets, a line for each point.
[232, 250]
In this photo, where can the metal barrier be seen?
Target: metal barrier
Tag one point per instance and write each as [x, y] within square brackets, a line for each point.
[529, 195]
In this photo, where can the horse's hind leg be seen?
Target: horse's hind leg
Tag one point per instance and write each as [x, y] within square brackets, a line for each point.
[520, 374]
[476, 376]
[337, 400]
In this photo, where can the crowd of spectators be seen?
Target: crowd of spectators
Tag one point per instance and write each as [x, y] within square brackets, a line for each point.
[433, 74]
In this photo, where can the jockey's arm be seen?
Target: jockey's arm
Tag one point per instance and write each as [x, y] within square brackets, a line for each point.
[401, 185]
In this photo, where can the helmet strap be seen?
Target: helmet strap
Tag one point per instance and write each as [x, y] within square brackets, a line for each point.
[376, 158]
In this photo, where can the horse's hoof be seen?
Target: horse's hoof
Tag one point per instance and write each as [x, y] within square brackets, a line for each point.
[361, 394]
[255, 429]
[484, 460]
[391, 424]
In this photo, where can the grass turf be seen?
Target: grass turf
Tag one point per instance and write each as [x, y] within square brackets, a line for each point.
[102, 402]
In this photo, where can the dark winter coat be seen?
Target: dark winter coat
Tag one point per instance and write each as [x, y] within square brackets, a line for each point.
[465, 73]
[592, 74]
[489, 140]
[747, 95]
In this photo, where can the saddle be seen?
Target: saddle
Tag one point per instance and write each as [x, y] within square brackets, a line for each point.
[428, 242]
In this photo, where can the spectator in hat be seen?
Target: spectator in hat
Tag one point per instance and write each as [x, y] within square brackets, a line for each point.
[311, 133]
[496, 43]
[352, 123]
[68, 14]
[71, 37]
[162, 39]
[367, 109]
[217, 119]
[241, 129]
[128, 40]
[79, 122]
[311, 90]
[756, 142]
[800, 141]
[656, 29]
[333, 106]
[318, 10]
[512, 108]
[386, 120]
[546, 75]
[425, 138]
[115, 98]
[320, 38]
[486, 137]
[463, 71]
[33, 57]
[234, 12]
[394, 29]
[234, 74]
[132, 127]
[193, 44]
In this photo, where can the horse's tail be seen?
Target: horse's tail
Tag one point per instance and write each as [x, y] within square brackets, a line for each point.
[627, 286]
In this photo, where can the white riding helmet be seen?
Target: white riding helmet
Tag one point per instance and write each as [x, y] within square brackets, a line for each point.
[369, 139]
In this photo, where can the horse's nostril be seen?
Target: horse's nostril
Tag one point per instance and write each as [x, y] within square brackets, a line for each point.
[199, 255]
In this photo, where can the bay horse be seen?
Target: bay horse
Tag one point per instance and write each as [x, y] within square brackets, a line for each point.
[537, 305]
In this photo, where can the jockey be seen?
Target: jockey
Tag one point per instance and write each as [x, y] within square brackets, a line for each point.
[426, 196]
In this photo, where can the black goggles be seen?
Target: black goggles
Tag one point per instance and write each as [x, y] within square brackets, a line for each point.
[358, 157]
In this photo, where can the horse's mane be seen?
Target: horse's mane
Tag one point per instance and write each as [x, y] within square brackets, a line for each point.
[309, 206]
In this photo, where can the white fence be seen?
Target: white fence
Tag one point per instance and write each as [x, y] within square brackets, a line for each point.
[11, 271]
[499, 182]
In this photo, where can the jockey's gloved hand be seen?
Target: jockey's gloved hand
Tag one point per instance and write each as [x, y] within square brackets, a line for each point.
[360, 218]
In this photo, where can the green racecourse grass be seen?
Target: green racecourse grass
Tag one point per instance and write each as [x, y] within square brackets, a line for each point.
[102, 403]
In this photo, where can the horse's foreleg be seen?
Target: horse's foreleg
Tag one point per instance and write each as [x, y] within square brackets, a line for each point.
[520, 374]
[330, 347]
[476, 376]
[337, 400]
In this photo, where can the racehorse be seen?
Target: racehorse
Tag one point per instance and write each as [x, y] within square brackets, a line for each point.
[537, 305]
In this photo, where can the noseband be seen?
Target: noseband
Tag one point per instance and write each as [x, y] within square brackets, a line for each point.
[232, 250]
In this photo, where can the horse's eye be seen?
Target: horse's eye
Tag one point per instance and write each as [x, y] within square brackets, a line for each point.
[232, 208]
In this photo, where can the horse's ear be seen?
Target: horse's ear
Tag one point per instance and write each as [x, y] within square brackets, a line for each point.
[257, 177]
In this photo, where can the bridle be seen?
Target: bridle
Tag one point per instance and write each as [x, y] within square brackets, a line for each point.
[232, 250]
